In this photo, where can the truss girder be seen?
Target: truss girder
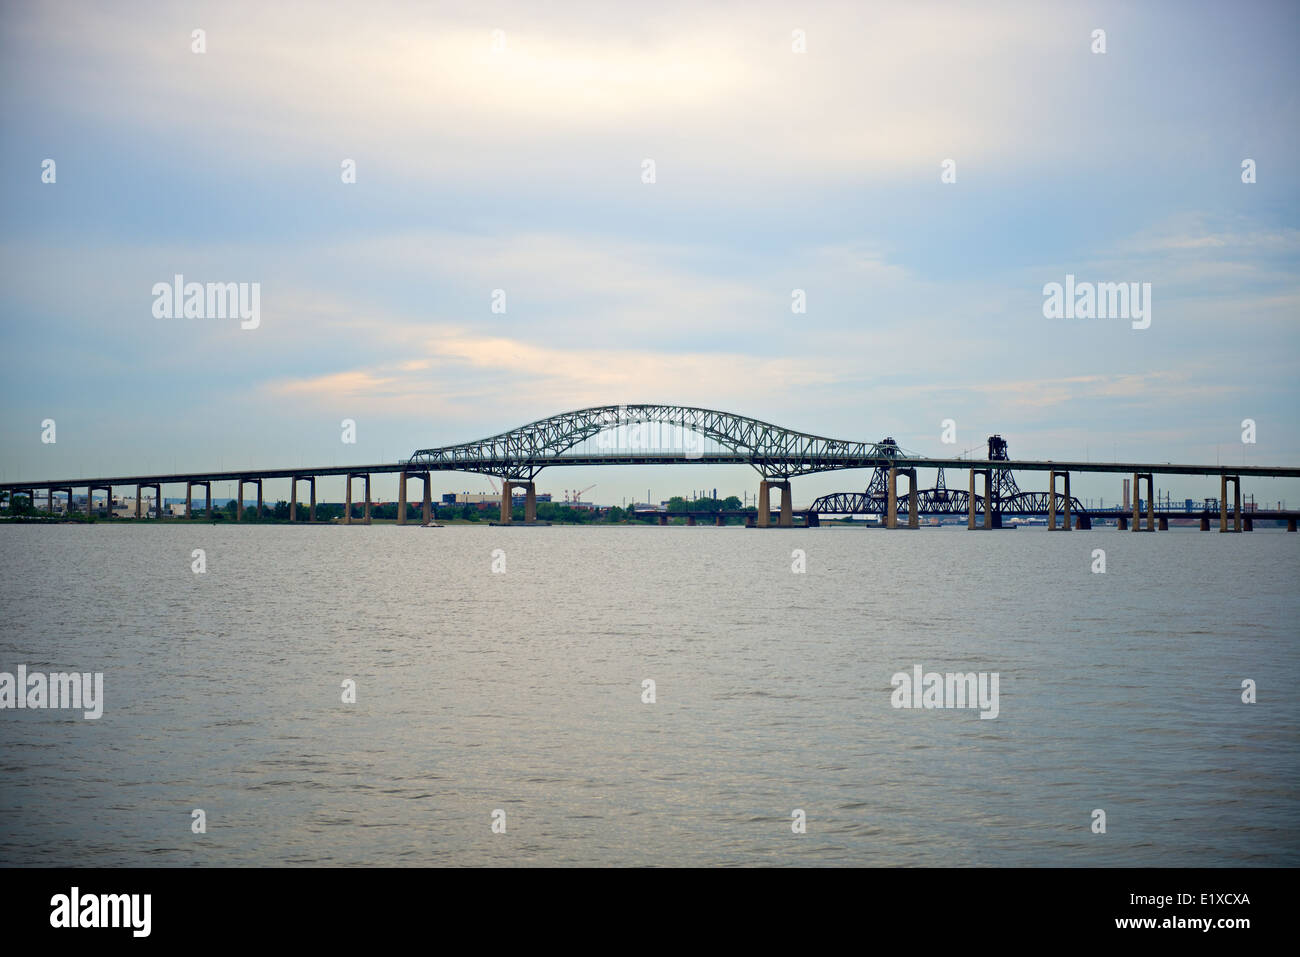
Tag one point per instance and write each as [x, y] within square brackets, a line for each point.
[935, 501]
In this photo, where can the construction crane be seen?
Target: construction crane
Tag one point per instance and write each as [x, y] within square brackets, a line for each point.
[577, 496]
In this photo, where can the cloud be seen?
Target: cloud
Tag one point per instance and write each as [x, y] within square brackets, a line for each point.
[575, 91]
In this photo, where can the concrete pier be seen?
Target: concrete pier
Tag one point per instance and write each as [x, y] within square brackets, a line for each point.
[1223, 502]
[764, 505]
[1164, 523]
[891, 506]
[189, 498]
[239, 498]
[1051, 502]
[1138, 477]
[293, 496]
[347, 510]
[507, 502]
[402, 479]
[787, 505]
[157, 499]
[988, 496]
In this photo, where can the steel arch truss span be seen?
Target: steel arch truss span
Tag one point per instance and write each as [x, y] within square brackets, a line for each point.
[775, 452]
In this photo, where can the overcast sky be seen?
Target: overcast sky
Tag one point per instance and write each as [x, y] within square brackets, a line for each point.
[515, 161]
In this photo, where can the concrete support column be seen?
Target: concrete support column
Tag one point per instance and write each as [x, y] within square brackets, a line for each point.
[293, 499]
[1067, 525]
[49, 500]
[347, 505]
[1290, 524]
[1137, 500]
[891, 499]
[428, 498]
[1163, 523]
[1236, 503]
[1051, 501]
[1123, 523]
[530, 502]
[970, 502]
[259, 499]
[1223, 501]
[366, 513]
[988, 498]
[401, 498]
[311, 515]
[1205, 523]
[764, 505]
[507, 493]
[138, 497]
[913, 503]
[1249, 524]
[189, 499]
[239, 502]
[787, 505]
[207, 500]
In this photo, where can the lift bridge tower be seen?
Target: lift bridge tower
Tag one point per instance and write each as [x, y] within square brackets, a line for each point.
[1003, 485]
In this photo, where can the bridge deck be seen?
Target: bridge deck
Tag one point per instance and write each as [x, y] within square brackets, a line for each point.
[805, 464]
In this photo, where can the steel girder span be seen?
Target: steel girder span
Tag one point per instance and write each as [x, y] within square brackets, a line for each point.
[942, 501]
[775, 452]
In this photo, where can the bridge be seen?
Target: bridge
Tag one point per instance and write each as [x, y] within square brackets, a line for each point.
[648, 434]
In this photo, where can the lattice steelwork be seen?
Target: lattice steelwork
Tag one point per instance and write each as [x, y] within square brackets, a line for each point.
[773, 451]
[935, 501]
[941, 500]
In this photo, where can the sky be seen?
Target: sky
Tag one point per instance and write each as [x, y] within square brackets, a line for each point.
[504, 146]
